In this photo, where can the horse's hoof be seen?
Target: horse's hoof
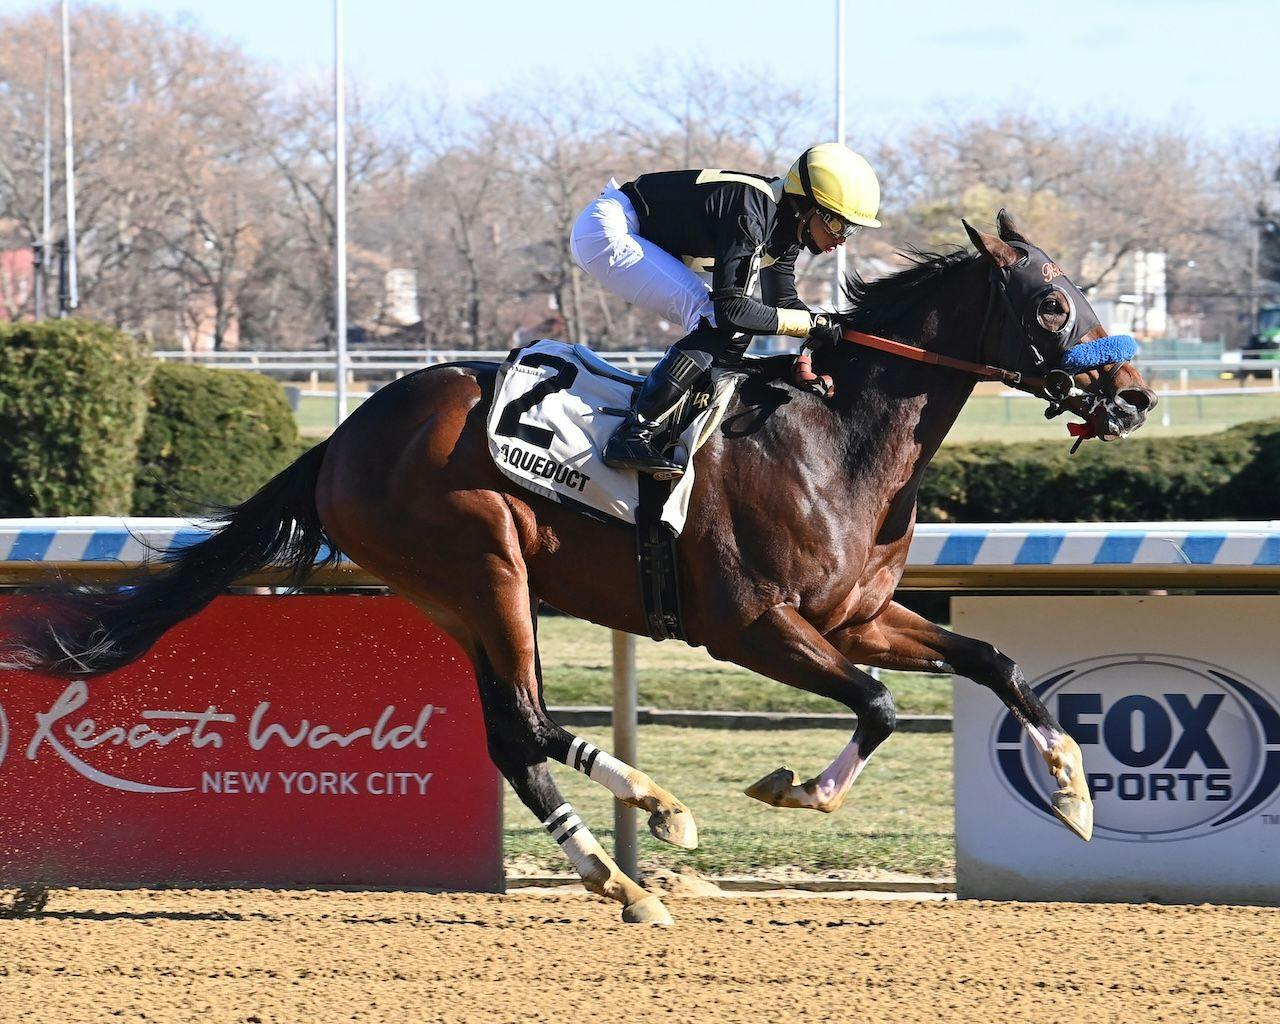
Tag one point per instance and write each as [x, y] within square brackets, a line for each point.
[775, 788]
[1075, 812]
[648, 910]
[675, 827]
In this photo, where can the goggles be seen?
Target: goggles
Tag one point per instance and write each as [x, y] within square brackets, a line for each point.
[837, 225]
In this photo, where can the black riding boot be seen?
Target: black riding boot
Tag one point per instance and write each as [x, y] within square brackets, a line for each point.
[631, 446]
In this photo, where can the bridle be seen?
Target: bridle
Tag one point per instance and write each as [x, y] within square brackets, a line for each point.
[1055, 386]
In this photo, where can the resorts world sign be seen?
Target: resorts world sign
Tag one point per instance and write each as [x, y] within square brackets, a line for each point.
[308, 740]
[1175, 703]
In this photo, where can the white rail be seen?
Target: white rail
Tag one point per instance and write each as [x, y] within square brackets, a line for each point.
[1189, 556]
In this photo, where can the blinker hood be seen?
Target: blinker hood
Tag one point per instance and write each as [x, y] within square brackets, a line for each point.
[1024, 286]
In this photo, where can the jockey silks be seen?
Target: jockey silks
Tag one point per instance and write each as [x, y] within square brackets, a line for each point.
[733, 225]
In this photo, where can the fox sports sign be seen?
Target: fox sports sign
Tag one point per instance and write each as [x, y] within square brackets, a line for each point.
[1174, 748]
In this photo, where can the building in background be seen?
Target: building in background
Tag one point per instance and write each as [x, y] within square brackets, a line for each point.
[198, 327]
[401, 297]
[1134, 297]
[17, 282]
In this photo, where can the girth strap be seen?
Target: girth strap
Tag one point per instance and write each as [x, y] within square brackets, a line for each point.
[659, 567]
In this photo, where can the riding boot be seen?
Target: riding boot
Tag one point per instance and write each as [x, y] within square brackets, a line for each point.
[631, 446]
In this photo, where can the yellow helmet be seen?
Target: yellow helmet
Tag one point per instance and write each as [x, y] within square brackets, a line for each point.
[837, 179]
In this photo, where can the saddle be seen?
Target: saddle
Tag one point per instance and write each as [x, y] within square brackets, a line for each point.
[556, 405]
[554, 408]
[695, 402]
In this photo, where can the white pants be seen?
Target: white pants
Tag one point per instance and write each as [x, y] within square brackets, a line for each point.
[606, 244]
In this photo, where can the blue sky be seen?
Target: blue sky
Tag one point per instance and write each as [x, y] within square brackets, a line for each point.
[1212, 65]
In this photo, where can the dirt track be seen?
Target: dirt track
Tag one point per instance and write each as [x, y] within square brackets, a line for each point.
[315, 957]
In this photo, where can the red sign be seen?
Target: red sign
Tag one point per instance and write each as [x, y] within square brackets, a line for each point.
[307, 740]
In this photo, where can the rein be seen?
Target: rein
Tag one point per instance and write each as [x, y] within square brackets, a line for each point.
[1014, 379]
[1105, 417]
[1038, 386]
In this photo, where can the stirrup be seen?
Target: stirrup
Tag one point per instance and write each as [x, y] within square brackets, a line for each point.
[639, 454]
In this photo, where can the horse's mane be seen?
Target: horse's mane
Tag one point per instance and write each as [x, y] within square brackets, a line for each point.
[874, 303]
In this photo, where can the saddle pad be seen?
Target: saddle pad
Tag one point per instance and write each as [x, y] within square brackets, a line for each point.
[555, 407]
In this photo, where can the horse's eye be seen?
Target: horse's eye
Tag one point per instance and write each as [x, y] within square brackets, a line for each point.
[1053, 312]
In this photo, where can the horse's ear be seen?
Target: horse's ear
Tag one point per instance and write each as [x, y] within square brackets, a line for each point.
[996, 250]
[1008, 229]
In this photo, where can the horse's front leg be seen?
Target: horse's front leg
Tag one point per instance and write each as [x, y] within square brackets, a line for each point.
[780, 644]
[900, 639]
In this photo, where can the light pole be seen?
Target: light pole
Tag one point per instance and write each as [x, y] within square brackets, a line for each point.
[72, 299]
[340, 214]
[46, 211]
[841, 256]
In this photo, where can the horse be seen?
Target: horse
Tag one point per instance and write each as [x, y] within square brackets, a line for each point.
[799, 522]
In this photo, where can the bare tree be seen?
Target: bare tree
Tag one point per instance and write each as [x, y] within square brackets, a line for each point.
[303, 157]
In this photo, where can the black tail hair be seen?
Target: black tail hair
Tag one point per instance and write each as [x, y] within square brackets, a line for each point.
[88, 630]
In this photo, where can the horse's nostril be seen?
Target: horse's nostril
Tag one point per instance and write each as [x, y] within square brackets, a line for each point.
[1141, 399]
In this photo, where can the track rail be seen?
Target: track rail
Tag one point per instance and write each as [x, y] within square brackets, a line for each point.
[1227, 556]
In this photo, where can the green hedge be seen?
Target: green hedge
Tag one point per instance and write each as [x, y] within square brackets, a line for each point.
[1234, 474]
[72, 401]
[212, 436]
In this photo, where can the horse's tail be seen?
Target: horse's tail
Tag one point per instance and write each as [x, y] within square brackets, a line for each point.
[88, 630]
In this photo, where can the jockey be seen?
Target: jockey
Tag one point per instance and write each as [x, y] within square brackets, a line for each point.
[647, 240]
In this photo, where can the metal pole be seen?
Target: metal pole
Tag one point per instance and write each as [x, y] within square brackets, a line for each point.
[1255, 256]
[64, 292]
[46, 193]
[626, 845]
[73, 293]
[340, 212]
[841, 256]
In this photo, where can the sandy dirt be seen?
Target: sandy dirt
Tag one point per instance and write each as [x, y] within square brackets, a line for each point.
[258, 956]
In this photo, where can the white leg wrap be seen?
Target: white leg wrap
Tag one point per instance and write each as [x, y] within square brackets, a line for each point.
[836, 779]
[1044, 739]
[579, 845]
[619, 778]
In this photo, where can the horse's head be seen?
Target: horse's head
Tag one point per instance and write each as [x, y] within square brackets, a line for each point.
[1040, 324]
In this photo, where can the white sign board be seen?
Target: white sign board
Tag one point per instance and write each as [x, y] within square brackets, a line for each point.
[1175, 702]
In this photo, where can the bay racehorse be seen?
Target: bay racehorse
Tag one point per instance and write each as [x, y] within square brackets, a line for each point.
[798, 529]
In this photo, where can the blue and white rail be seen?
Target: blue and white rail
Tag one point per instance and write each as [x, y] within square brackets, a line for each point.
[1190, 556]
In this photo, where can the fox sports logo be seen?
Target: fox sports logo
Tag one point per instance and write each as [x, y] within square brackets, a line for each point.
[1174, 748]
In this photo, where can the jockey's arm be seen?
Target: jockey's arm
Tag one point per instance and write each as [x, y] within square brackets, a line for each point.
[778, 288]
[778, 283]
[739, 248]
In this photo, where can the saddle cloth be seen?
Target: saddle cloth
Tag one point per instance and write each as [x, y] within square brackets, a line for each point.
[555, 407]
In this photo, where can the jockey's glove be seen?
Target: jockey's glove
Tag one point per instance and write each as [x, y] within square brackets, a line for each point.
[824, 328]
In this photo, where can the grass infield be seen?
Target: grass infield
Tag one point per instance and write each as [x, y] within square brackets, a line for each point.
[898, 817]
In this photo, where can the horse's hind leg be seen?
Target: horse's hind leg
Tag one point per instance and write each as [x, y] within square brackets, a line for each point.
[491, 616]
[669, 819]
[900, 639]
[518, 755]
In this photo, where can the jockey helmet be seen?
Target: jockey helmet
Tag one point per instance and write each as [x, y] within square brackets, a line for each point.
[838, 181]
